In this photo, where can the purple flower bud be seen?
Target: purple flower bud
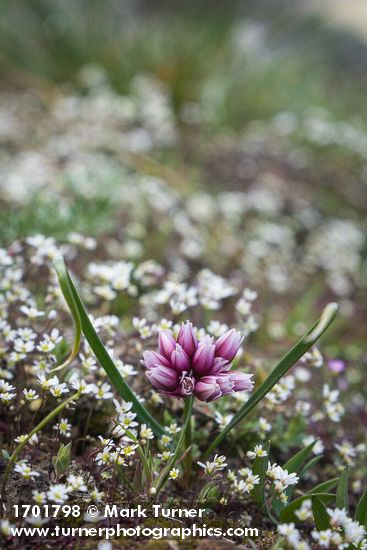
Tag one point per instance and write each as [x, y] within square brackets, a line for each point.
[207, 388]
[225, 383]
[220, 365]
[163, 378]
[228, 344]
[241, 381]
[187, 386]
[203, 360]
[187, 339]
[167, 343]
[179, 359]
[152, 359]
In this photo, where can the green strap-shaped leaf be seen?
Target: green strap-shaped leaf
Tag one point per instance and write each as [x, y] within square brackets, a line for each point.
[287, 514]
[259, 469]
[310, 464]
[306, 342]
[324, 487]
[342, 490]
[295, 462]
[361, 512]
[321, 517]
[79, 313]
[59, 266]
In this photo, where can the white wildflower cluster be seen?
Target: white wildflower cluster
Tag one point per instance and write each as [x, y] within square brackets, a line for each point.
[6, 392]
[216, 465]
[304, 512]
[313, 358]
[135, 123]
[347, 453]
[292, 537]
[318, 125]
[110, 278]
[125, 430]
[244, 310]
[243, 483]
[281, 480]
[281, 391]
[25, 470]
[334, 410]
[336, 248]
[343, 531]
[209, 291]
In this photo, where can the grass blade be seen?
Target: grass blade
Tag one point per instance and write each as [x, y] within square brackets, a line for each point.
[321, 517]
[324, 487]
[259, 469]
[342, 490]
[122, 388]
[295, 462]
[287, 514]
[67, 292]
[306, 342]
[361, 512]
[310, 464]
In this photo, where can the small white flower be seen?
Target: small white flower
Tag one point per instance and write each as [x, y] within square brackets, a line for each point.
[39, 497]
[63, 427]
[31, 312]
[59, 389]
[145, 432]
[104, 456]
[258, 451]
[25, 471]
[30, 395]
[174, 473]
[101, 392]
[76, 483]
[58, 493]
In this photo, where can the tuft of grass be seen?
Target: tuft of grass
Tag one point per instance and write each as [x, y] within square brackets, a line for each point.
[45, 215]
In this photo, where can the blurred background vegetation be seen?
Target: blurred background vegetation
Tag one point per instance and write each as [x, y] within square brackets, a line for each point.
[216, 134]
[241, 62]
[207, 95]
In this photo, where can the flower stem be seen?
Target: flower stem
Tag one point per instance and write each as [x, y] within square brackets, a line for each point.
[162, 478]
[143, 458]
[187, 441]
[25, 441]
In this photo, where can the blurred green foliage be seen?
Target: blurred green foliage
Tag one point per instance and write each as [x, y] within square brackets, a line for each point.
[195, 48]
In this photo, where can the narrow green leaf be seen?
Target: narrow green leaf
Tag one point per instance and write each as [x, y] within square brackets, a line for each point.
[361, 512]
[5, 454]
[310, 464]
[77, 308]
[287, 514]
[209, 494]
[294, 465]
[342, 490]
[61, 461]
[306, 342]
[259, 469]
[295, 462]
[66, 290]
[321, 517]
[324, 487]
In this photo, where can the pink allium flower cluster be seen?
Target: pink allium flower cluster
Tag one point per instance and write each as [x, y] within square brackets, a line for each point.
[185, 366]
